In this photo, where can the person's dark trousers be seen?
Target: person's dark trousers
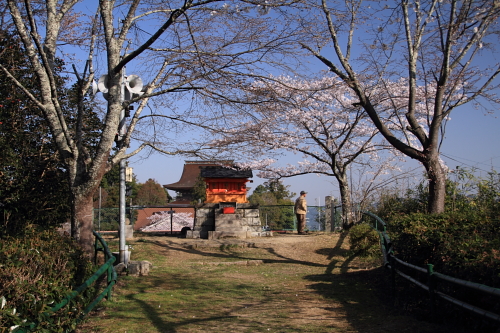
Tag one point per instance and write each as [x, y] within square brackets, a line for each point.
[301, 223]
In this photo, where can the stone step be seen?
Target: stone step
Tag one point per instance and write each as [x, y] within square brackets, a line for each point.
[229, 234]
[231, 229]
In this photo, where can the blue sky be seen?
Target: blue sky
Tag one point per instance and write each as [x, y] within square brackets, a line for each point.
[472, 140]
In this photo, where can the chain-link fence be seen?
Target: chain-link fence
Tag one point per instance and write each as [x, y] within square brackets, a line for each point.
[281, 217]
[278, 217]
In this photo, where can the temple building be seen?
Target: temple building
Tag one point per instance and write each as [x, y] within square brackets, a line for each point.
[184, 187]
[225, 184]
[226, 211]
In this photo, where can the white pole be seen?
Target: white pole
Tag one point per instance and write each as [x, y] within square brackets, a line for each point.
[100, 201]
[121, 135]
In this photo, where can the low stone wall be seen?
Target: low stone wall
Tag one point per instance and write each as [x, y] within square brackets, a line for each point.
[211, 223]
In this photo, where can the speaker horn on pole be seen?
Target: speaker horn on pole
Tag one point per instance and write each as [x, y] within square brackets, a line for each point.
[94, 87]
[140, 93]
[102, 85]
[134, 84]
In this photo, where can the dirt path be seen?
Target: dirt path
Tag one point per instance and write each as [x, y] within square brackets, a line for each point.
[286, 283]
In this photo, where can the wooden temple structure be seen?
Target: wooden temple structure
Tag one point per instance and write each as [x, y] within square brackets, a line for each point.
[226, 211]
[224, 182]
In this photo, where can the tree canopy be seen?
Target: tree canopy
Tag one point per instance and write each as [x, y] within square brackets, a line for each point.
[33, 184]
[151, 193]
[442, 46]
[183, 49]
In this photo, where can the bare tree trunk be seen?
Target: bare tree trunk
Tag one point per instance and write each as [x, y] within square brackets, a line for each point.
[82, 221]
[83, 189]
[437, 185]
[345, 199]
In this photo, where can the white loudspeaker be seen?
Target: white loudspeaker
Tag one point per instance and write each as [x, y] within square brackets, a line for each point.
[140, 93]
[94, 87]
[134, 84]
[129, 95]
[103, 84]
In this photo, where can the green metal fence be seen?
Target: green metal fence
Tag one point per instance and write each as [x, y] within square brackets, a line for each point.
[275, 217]
[282, 217]
[429, 280]
[108, 219]
[111, 277]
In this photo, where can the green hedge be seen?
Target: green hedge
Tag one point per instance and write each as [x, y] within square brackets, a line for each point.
[37, 270]
[462, 245]
[364, 240]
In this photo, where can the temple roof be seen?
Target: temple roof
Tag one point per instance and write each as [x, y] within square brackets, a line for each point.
[191, 172]
[225, 172]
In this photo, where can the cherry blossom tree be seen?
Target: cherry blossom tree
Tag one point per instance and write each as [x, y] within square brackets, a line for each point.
[165, 221]
[444, 47]
[178, 47]
[317, 119]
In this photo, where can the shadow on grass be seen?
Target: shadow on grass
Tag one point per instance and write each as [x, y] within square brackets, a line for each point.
[160, 323]
[194, 294]
[368, 300]
[172, 246]
[364, 295]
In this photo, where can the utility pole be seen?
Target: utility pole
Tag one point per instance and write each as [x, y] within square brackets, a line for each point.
[121, 135]
[131, 87]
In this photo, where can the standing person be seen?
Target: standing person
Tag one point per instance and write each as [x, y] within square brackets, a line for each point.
[300, 212]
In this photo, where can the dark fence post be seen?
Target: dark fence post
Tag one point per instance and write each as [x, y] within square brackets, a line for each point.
[393, 276]
[431, 285]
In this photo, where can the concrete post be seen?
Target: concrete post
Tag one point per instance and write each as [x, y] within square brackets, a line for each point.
[328, 214]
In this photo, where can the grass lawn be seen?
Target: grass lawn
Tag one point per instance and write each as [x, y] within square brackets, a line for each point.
[287, 283]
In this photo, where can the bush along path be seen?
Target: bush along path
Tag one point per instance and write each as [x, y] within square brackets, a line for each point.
[286, 283]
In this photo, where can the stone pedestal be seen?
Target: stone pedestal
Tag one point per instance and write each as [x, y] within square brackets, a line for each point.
[193, 234]
[129, 232]
[212, 223]
[139, 268]
[204, 220]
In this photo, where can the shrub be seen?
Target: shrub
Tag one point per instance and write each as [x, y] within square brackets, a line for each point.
[364, 240]
[457, 244]
[37, 271]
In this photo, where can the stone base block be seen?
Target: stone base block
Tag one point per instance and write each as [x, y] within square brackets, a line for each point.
[121, 269]
[238, 234]
[232, 229]
[262, 234]
[193, 234]
[139, 268]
